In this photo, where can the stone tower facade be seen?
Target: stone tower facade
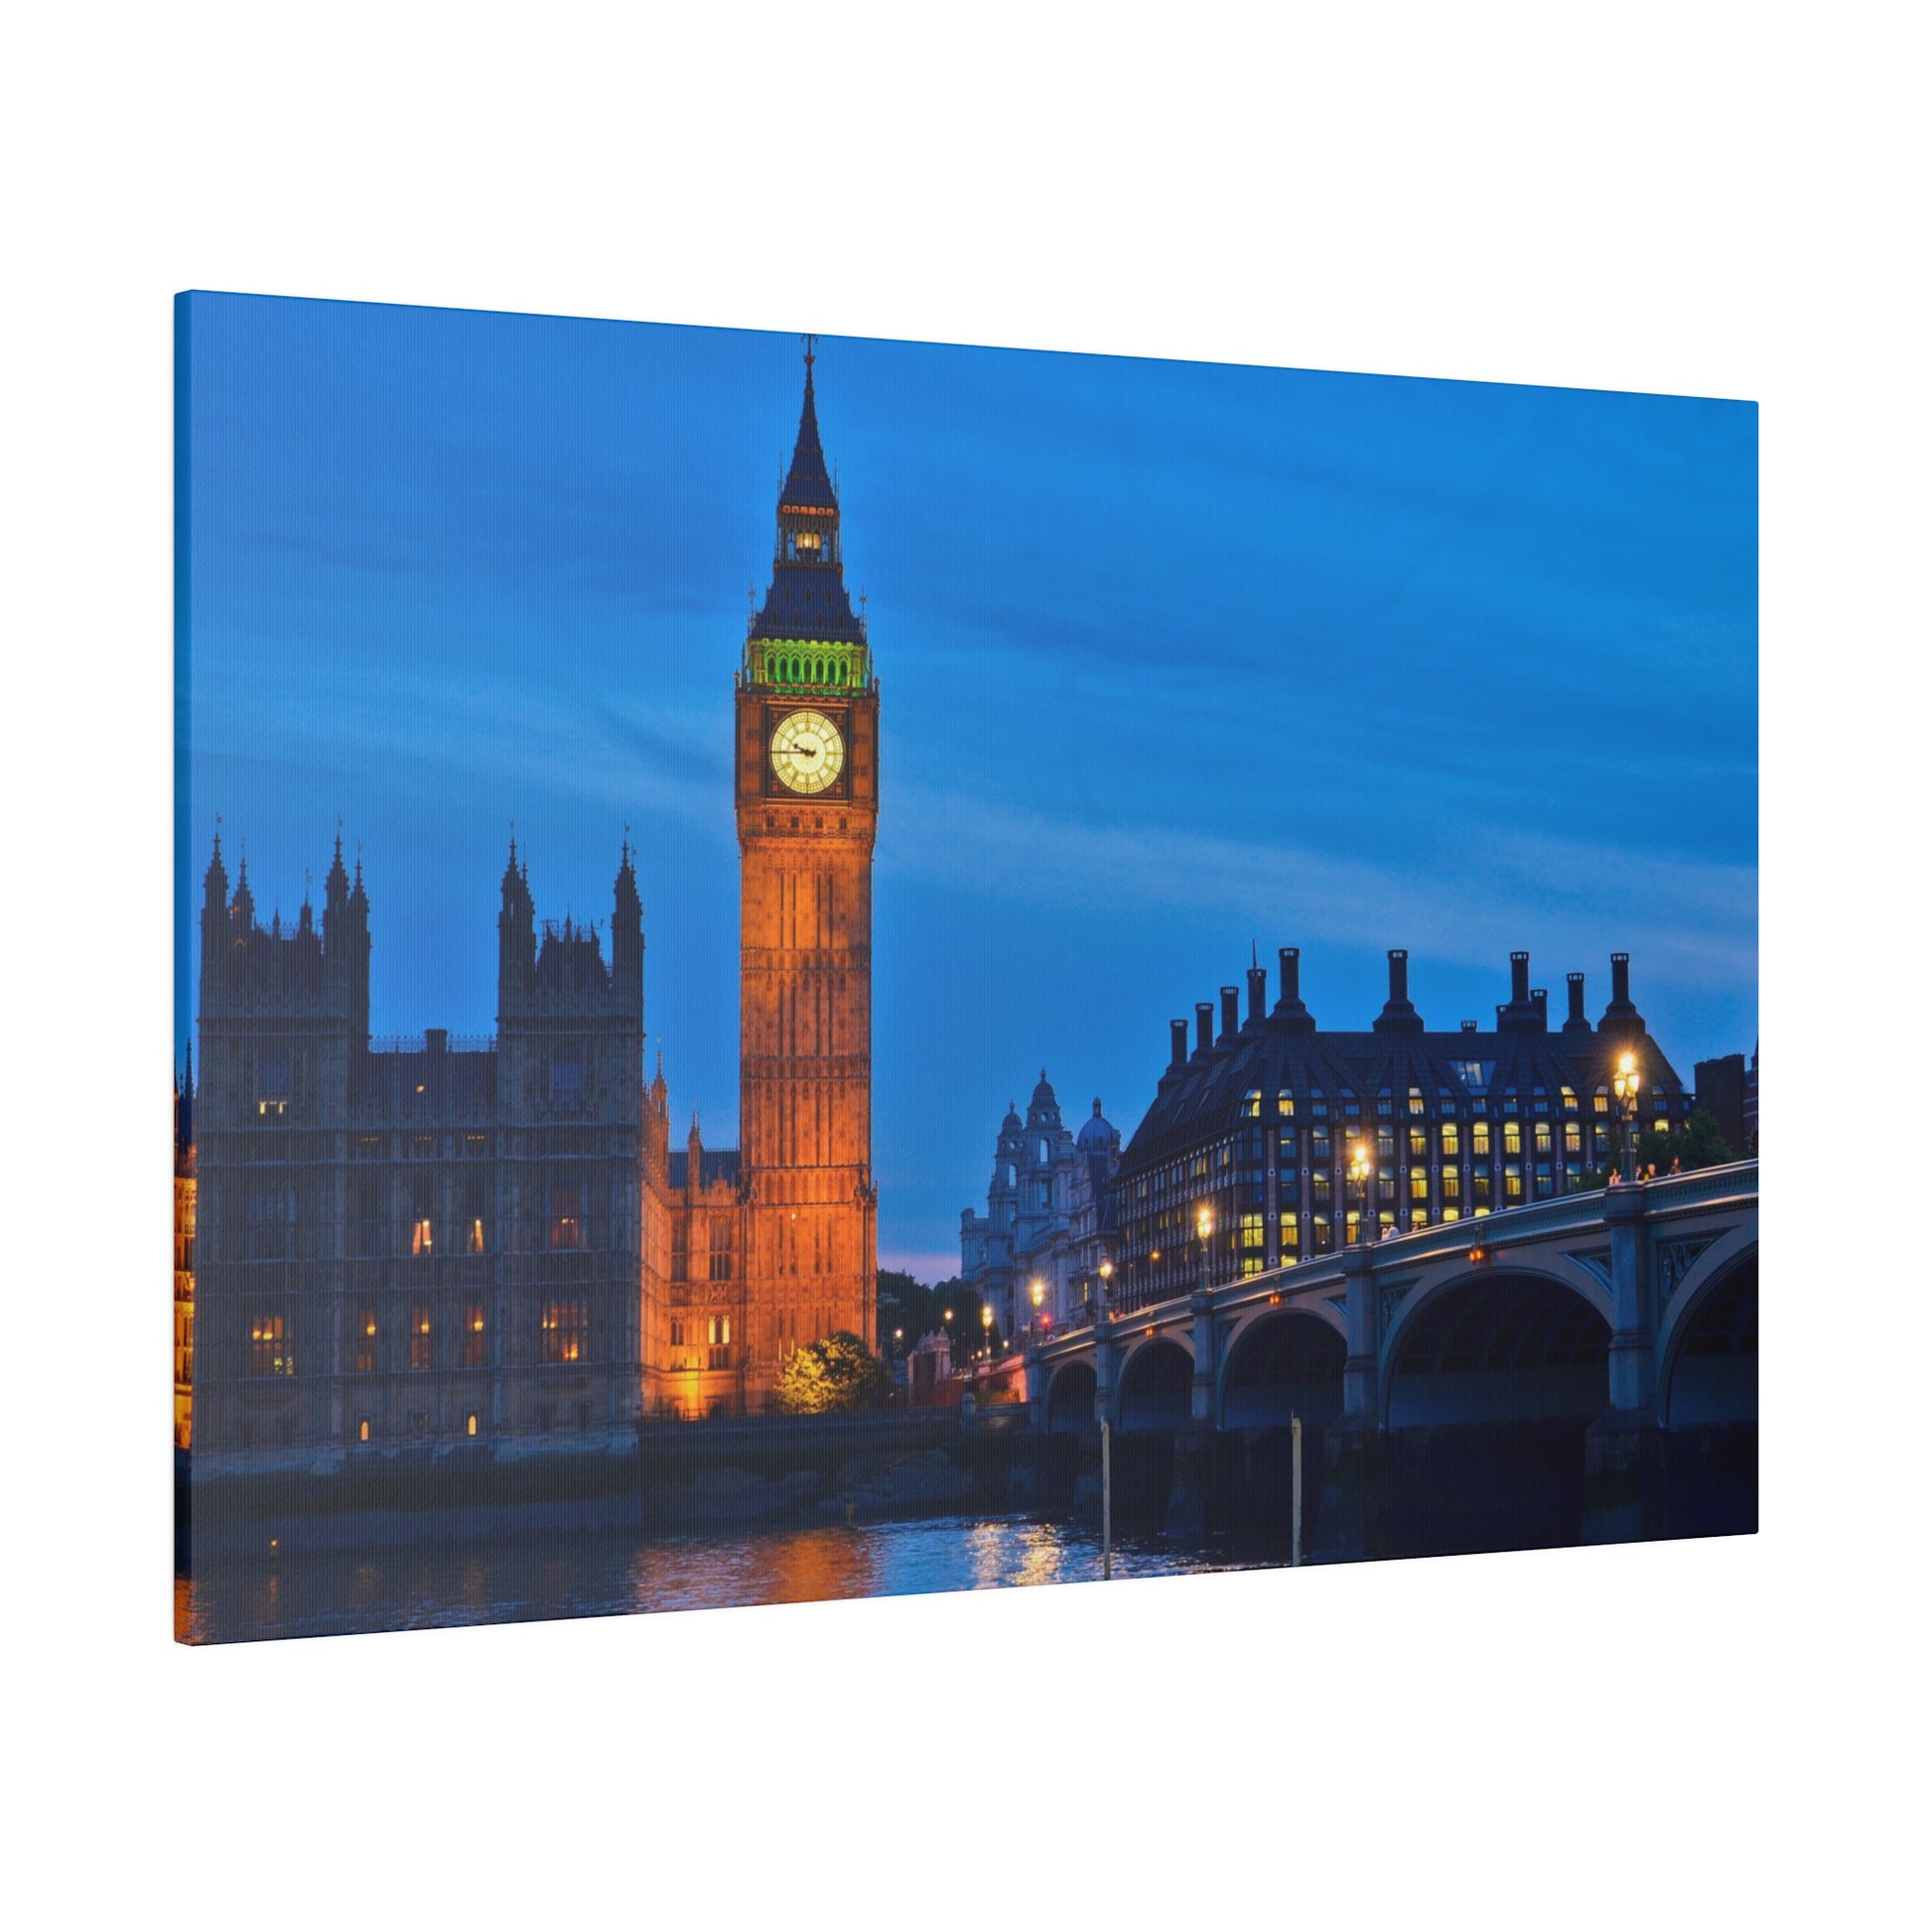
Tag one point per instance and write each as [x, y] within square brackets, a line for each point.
[807, 803]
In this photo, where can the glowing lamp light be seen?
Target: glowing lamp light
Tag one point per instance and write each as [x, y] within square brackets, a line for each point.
[1205, 1221]
[1039, 1291]
[1106, 1271]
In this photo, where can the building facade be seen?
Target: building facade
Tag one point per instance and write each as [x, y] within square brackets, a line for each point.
[1048, 1216]
[185, 1255]
[414, 1242]
[1258, 1121]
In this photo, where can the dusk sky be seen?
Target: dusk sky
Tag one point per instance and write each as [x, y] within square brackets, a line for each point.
[1174, 658]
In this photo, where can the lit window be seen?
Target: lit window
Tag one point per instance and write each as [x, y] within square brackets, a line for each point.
[269, 1352]
[419, 1235]
[1290, 1235]
[1419, 1217]
[363, 1430]
[469, 1423]
[1285, 1104]
[1512, 1182]
[1452, 1213]
[1568, 1099]
[419, 1339]
[1418, 1143]
[365, 1342]
[477, 1243]
[476, 1339]
[272, 1086]
[1480, 1139]
[1452, 1183]
[1572, 1136]
[566, 1331]
[1451, 1139]
[1251, 1103]
[1253, 1231]
[1415, 1100]
[1419, 1184]
[1601, 1102]
[1543, 1137]
[1512, 1136]
[566, 1214]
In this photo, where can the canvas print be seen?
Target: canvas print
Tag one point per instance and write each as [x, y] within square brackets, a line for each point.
[811, 967]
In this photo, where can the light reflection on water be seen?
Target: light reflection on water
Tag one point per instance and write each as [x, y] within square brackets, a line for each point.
[617, 1572]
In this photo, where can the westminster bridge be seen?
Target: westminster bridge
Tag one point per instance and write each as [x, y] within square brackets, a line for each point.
[1578, 1369]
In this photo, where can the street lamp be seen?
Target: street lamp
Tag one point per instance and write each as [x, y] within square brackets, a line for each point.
[985, 1327]
[1039, 1292]
[1361, 1167]
[1628, 1083]
[1205, 1228]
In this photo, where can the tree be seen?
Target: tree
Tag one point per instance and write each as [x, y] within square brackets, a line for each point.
[921, 1311]
[1698, 1143]
[832, 1376]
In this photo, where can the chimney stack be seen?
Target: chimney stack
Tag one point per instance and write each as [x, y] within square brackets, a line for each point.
[1399, 1015]
[1289, 1009]
[1256, 993]
[1577, 1022]
[1468, 1025]
[1203, 1025]
[1177, 1029]
[1519, 979]
[1621, 1017]
[1539, 1006]
[1230, 1012]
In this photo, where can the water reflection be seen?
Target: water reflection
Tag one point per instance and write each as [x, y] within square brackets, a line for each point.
[616, 1573]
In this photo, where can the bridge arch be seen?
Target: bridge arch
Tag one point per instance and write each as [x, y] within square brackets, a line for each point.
[1709, 1372]
[1282, 1363]
[1155, 1386]
[1496, 1343]
[1070, 1397]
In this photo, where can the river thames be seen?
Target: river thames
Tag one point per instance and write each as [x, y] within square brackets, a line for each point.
[619, 1573]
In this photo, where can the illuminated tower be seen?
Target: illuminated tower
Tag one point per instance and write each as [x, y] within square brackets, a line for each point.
[807, 793]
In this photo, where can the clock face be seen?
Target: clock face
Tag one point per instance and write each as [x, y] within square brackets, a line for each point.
[807, 751]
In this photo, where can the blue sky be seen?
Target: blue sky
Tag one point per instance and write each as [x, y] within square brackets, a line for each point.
[1175, 658]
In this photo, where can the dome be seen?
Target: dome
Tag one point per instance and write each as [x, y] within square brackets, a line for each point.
[1010, 1125]
[1097, 1134]
[1043, 1110]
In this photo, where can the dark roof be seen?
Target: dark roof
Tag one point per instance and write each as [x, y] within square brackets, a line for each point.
[809, 602]
[457, 1084]
[808, 483]
[714, 1165]
[1202, 1099]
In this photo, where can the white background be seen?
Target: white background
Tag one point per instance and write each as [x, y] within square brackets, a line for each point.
[1695, 199]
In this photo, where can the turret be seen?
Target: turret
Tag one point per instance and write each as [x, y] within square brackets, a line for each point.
[516, 935]
[628, 932]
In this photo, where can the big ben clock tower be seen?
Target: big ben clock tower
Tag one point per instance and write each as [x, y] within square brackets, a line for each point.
[807, 789]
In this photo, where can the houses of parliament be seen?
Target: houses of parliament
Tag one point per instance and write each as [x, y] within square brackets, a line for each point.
[493, 1240]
